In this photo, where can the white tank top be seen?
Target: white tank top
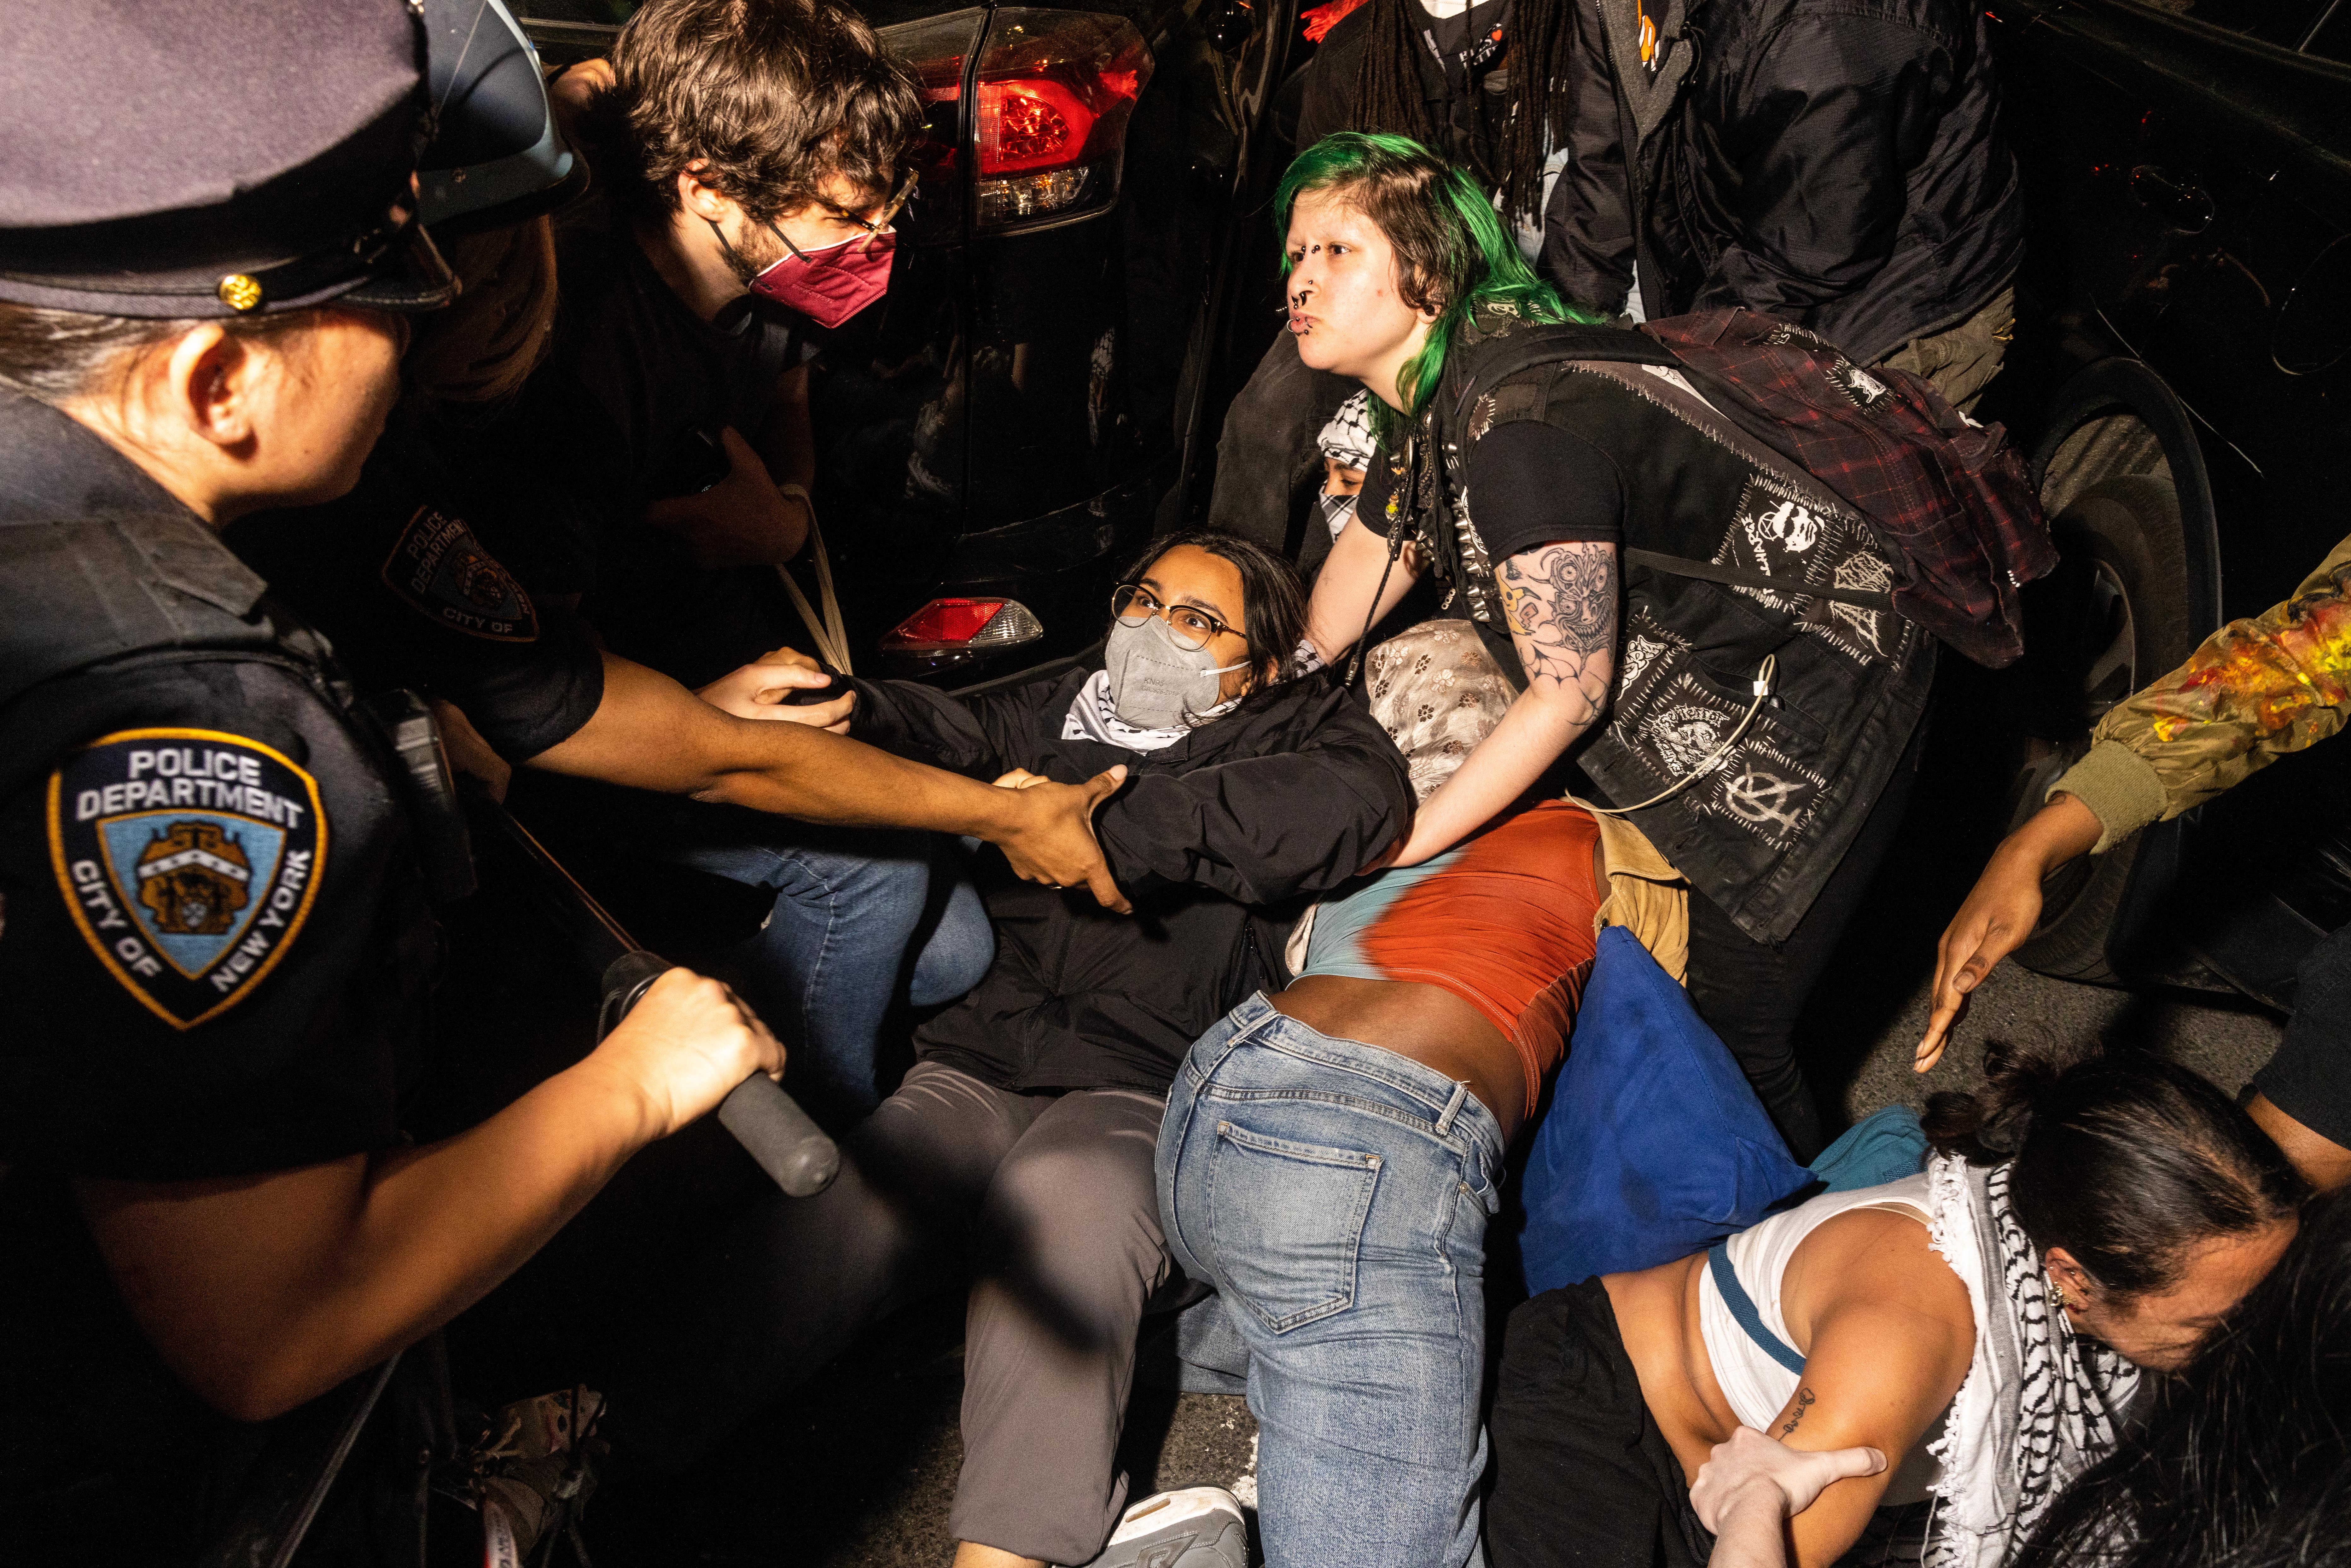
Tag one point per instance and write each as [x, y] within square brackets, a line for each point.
[1758, 1386]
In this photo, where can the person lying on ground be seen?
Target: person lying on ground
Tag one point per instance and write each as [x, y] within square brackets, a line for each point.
[2244, 1459]
[2253, 692]
[1980, 1324]
[1016, 1154]
[1364, 1113]
[1778, 813]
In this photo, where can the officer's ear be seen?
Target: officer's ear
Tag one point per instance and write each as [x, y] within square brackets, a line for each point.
[211, 381]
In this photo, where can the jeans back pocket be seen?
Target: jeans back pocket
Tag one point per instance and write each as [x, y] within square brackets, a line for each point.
[1286, 1220]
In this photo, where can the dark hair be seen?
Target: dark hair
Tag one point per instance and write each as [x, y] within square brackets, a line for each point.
[772, 96]
[1388, 94]
[2126, 1160]
[473, 357]
[2244, 1460]
[57, 355]
[1452, 252]
[1273, 598]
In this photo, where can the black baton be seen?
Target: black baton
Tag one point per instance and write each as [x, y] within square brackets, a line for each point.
[766, 1121]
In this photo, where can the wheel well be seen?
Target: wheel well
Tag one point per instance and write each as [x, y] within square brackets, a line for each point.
[2089, 436]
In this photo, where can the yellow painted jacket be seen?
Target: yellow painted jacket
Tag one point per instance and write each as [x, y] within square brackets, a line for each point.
[2256, 690]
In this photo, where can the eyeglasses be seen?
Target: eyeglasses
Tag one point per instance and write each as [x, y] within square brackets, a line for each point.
[876, 227]
[1133, 604]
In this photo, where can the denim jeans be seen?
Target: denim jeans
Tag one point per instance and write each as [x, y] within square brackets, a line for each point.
[834, 952]
[1336, 1194]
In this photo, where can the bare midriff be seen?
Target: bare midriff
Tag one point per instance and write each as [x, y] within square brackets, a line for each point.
[1427, 1024]
[1657, 1316]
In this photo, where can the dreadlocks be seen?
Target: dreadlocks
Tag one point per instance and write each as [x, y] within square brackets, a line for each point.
[1389, 96]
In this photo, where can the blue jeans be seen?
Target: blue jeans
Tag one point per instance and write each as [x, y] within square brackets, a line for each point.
[1336, 1194]
[851, 905]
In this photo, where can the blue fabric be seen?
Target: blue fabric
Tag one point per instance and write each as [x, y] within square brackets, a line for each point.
[1742, 1309]
[1654, 1147]
[1337, 1196]
[1883, 1146]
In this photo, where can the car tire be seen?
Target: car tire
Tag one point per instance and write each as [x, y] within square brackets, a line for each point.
[2113, 616]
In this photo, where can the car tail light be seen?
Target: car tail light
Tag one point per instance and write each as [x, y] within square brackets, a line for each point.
[1055, 91]
[957, 625]
[937, 48]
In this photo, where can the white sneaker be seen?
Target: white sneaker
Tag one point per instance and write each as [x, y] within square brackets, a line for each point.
[1200, 1527]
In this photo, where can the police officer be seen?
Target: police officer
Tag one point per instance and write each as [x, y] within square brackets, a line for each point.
[212, 941]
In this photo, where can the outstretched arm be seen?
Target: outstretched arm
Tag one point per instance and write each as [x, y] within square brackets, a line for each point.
[651, 733]
[1561, 600]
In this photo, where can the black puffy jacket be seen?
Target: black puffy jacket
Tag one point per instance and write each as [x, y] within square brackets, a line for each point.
[1837, 163]
[1210, 840]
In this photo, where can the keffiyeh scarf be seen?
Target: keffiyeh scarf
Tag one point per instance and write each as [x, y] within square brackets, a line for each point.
[1346, 440]
[2040, 1404]
[1093, 716]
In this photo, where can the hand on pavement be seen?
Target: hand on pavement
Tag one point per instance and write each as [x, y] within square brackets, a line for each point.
[1050, 838]
[2000, 912]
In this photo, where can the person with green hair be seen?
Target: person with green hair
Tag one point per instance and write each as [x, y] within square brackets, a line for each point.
[1764, 737]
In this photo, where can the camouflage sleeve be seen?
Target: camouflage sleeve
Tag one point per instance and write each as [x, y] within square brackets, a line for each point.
[2256, 690]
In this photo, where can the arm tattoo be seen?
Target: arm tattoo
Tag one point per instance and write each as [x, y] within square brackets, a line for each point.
[1805, 1399]
[1561, 600]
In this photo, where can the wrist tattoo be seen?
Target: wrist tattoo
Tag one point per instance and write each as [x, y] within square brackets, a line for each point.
[1805, 1398]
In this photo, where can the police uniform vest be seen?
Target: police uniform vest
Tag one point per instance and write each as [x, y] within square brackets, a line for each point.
[1731, 555]
[215, 944]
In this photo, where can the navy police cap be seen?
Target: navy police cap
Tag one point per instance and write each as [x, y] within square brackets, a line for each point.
[178, 158]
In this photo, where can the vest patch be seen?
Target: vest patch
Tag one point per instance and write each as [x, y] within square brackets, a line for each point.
[442, 571]
[190, 859]
[1776, 530]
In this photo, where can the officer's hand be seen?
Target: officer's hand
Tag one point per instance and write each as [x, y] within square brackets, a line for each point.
[1049, 836]
[2000, 912]
[686, 1045]
[757, 692]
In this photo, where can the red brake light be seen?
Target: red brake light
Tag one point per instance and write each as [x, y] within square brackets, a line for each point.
[1036, 124]
[1055, 91]
[956, 623]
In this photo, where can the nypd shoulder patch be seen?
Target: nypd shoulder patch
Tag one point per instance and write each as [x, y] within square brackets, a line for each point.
[442, 570]
[190, 859]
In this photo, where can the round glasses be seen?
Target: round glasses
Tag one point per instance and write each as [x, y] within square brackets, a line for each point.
[1133, 604]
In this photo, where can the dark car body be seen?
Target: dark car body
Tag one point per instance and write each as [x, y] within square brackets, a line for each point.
[1011, 418]
[2183, 364]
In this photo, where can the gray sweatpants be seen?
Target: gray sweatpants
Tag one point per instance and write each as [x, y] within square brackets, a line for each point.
[1046, 1203]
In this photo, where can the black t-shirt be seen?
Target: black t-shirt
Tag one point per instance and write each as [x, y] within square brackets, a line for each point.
[563, 480]
[395, 574]
[1529, 485]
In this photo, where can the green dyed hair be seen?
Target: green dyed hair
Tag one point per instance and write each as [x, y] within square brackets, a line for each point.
[1453, 256]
